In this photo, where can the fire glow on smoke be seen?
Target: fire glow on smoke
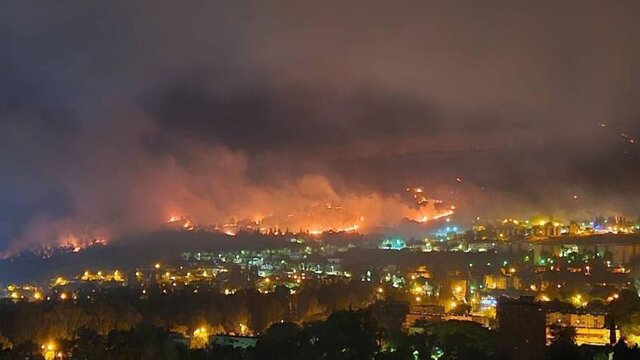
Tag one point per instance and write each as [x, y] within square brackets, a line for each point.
[321, 218]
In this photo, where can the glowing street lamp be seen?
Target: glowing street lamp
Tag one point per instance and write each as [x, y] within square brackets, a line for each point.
[49, 351]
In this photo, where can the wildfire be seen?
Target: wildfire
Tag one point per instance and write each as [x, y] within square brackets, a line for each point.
[428, 209]
[188, 225]
[327, 217]
[353, 228]
[183, 222]
[229, 232]
[78, 243]
[443, 214]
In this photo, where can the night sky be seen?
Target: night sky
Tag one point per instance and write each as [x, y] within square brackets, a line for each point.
[115, 113]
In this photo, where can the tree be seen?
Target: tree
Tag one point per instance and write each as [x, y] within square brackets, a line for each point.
[464, 340]
[106, 317]
[563, 346]
[144, 342]
[624, 307]
[631, 325]
[5, 343]
[88, 345]
[310, 308]
[21, 322]
[236, 318]
[269, 312]
[281, 341]
[26, 350]
[64, 320]
[623, 352]
[347, 335]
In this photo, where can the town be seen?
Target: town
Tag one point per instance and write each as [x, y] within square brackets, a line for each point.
[581, 276]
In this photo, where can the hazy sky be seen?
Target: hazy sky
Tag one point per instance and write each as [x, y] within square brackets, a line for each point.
[112, 112]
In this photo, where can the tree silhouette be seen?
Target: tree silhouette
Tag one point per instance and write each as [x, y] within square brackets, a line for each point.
[65, 320]
[563, 346]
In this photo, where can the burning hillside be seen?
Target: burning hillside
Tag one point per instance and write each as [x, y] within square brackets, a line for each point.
[362, 215]
[203, 187]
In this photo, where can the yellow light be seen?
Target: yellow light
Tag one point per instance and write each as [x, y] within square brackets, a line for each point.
[157, 265]
[453, 304]
[49, 351]
[545, 298]
[201, 331]
[63, 296]
[15, 295]
[380, 290]
[37, 296]
[418, 298]
[50, 346]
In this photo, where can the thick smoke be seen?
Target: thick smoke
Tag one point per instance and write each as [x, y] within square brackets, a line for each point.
[114, 116]
[117, 184]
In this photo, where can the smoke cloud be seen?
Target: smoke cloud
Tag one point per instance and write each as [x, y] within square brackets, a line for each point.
[115, 117]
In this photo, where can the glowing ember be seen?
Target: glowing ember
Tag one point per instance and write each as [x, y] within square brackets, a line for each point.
[183, 222]
[428, 209]
[353, 228]
[188, 225]
[229, 232]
